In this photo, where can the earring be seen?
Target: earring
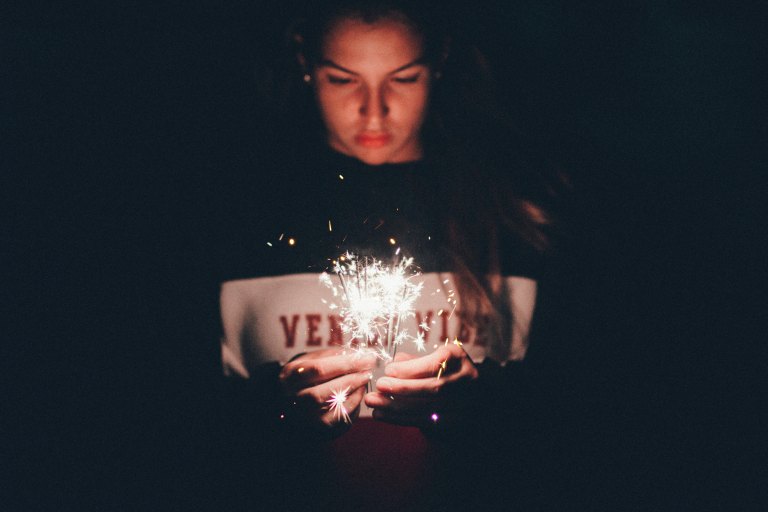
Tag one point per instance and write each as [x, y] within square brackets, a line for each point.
[307, 78]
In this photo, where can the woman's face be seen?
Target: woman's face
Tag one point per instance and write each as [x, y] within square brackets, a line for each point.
[372, 89]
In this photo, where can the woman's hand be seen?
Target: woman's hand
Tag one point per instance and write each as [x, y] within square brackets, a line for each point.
[412, 394]
[310, 381]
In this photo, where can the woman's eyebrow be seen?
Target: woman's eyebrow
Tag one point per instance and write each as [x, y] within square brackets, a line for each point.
[330, 63]
[417, 62]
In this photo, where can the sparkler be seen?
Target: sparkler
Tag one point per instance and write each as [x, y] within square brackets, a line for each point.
[374, 299]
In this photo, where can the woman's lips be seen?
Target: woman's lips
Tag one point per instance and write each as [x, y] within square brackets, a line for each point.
[373, 140]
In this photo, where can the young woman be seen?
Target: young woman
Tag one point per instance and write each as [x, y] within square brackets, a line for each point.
[391, 148]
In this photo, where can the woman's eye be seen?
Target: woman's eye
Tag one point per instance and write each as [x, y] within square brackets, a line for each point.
[339, 80]
[407, 79]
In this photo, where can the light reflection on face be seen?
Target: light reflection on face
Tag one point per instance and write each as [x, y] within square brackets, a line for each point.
[372, 89]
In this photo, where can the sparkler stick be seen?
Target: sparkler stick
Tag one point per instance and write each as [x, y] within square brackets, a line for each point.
[397, 329]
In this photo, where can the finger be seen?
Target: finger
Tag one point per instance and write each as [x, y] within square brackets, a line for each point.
[425, 387]
[304, 373]
[343, 406]
[317, 397]
[355, 398]
[418, 367]
[428, 365]
[403, 356]
[345, 411]
[377, 399]
[354, 402]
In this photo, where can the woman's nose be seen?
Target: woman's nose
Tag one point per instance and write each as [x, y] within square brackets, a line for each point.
[374, 105]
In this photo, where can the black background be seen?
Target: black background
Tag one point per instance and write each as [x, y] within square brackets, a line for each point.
[122, 116]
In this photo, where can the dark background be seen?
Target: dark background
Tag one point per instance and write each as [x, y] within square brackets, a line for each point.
[124, 118]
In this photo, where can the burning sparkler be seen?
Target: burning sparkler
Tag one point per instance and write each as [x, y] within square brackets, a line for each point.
[375, 298]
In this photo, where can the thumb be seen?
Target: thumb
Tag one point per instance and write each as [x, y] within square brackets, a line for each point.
[402, 356]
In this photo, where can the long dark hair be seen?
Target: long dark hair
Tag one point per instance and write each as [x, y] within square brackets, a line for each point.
[499, 184]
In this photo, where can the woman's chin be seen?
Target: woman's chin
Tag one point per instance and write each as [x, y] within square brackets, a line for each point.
[378, 155]
[368, 156]
[373, 158]
[387, 156]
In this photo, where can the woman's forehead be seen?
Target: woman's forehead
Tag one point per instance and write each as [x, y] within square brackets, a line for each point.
[386, 43]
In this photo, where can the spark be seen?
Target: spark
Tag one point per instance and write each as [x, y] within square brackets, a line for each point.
[341, 177]
[441, 369]
[443, 365]
[383, 354]
[291, 241]
[419, 341]
[337, 405]
[269, 244]
[330, 227]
